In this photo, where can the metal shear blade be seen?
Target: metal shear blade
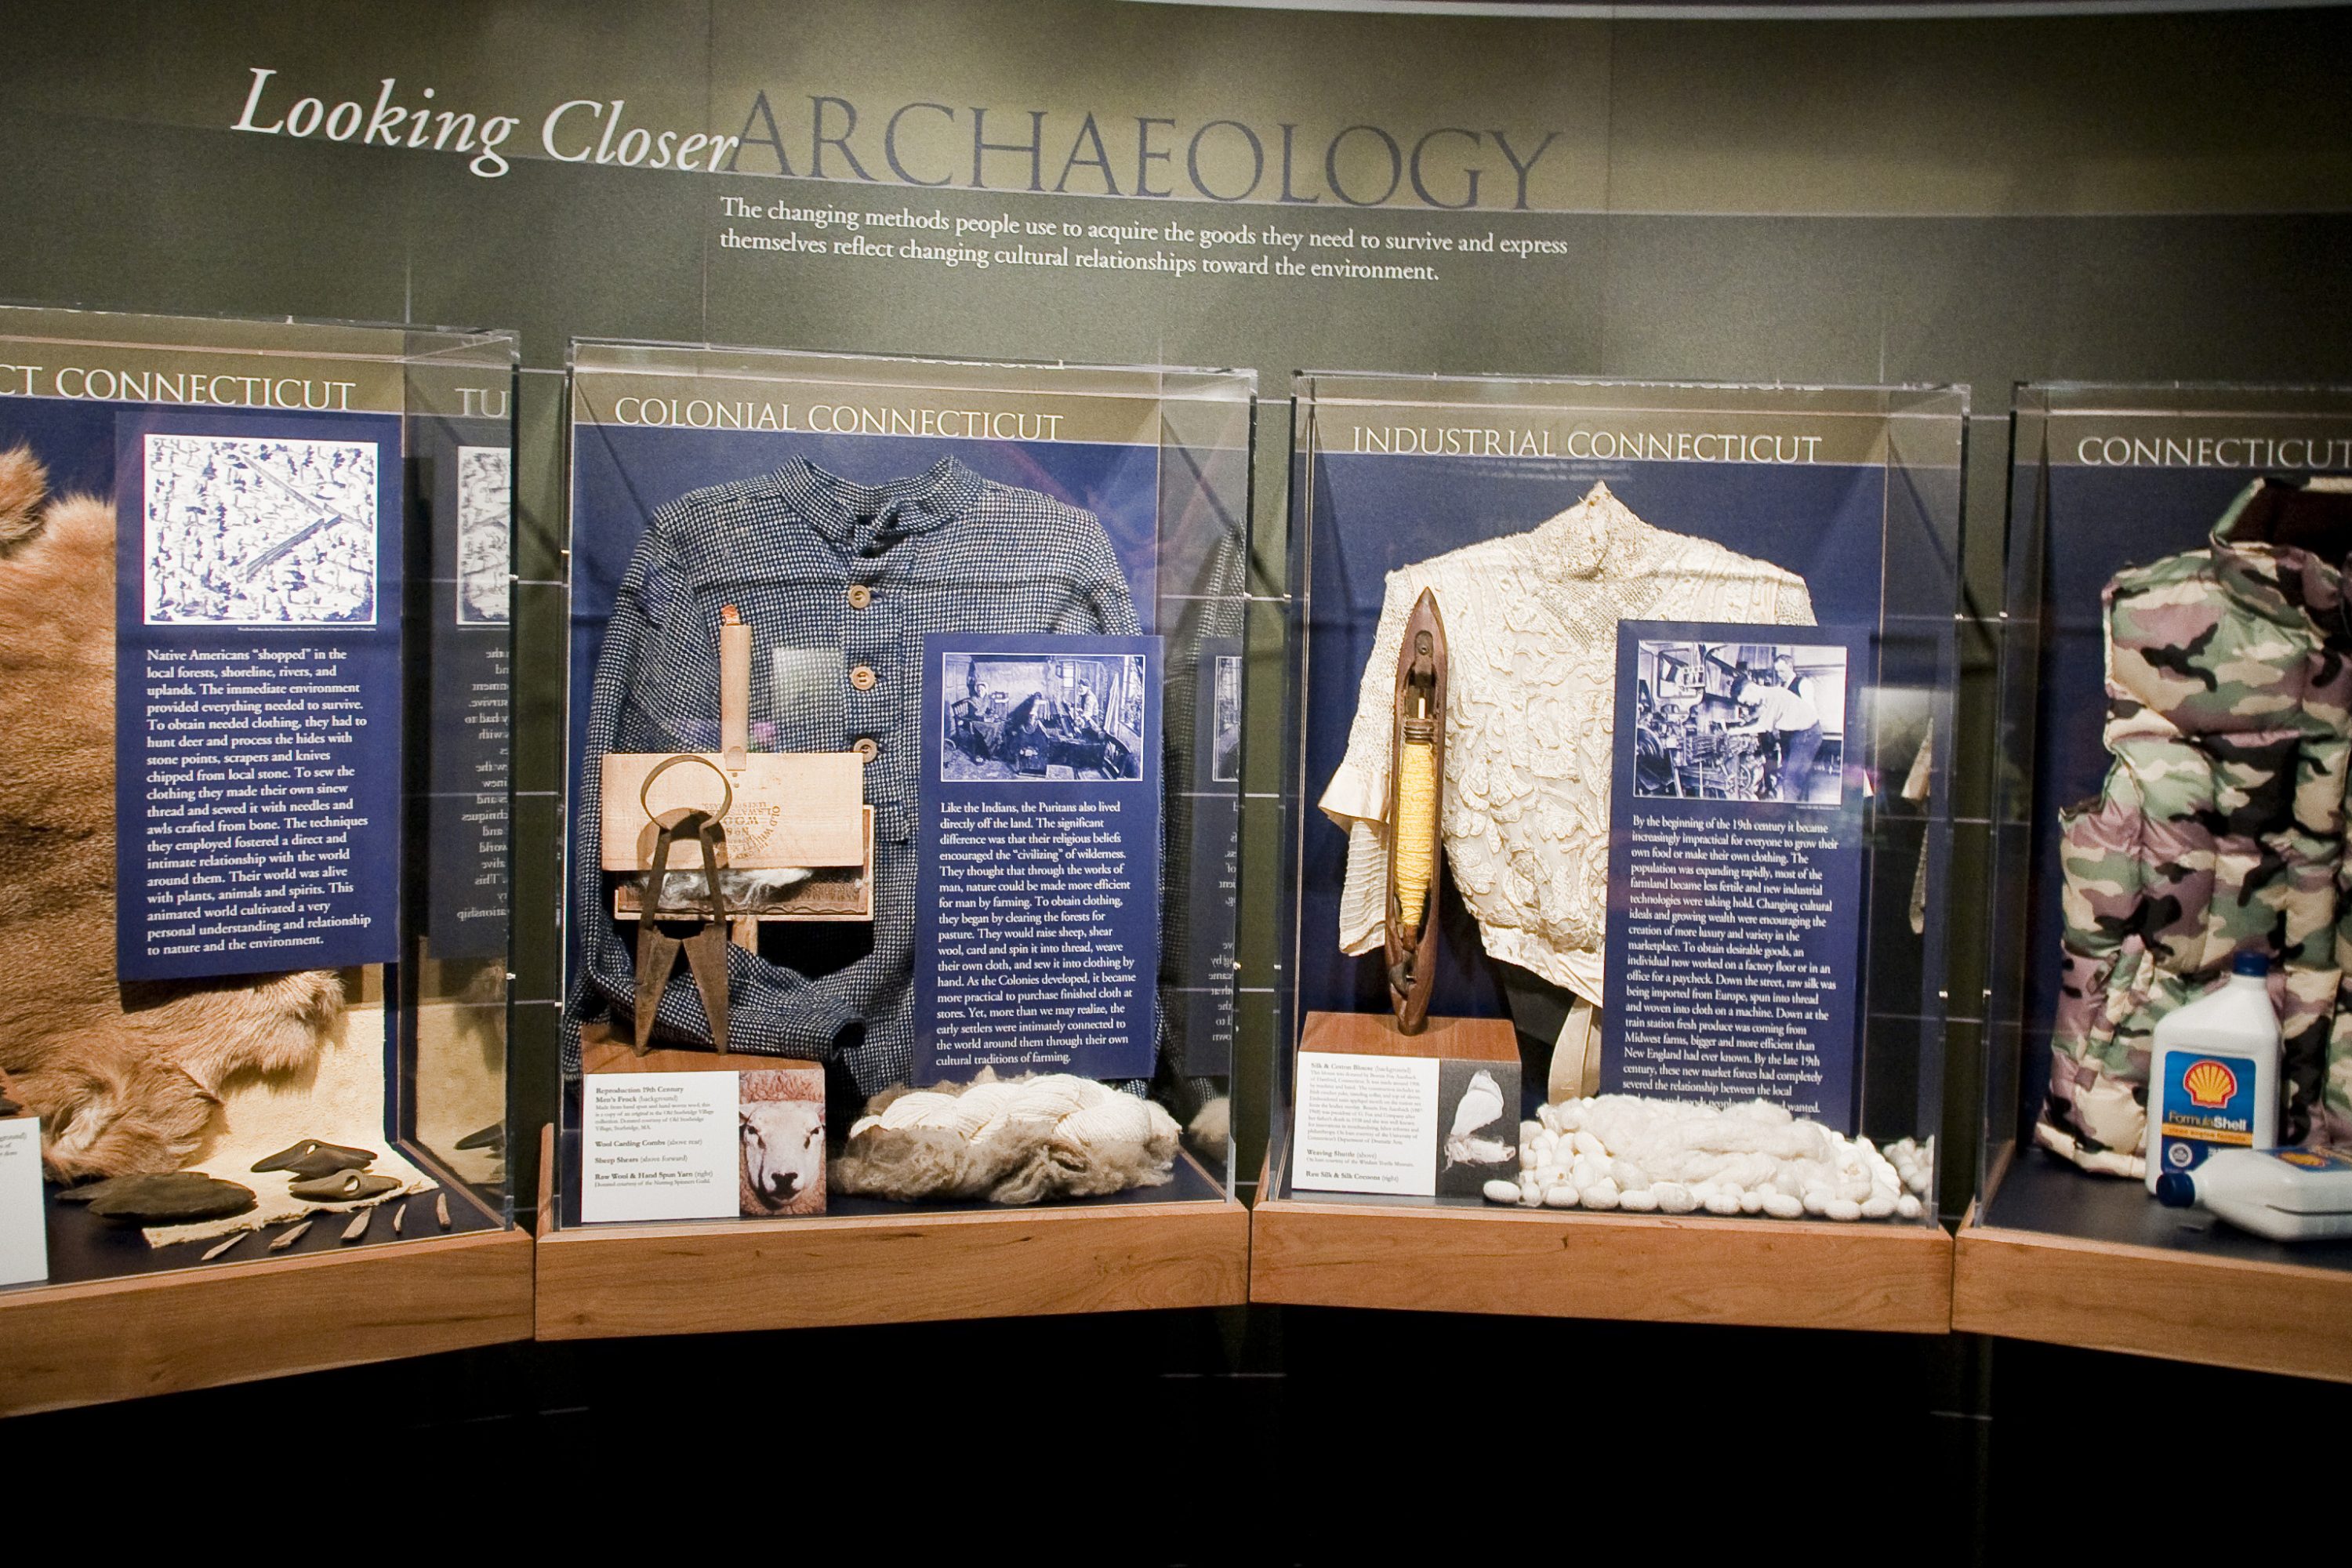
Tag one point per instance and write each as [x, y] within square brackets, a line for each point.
[705, 946]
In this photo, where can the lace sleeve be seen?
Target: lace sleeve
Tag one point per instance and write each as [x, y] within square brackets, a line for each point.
[1359, 789]
[1358, 795]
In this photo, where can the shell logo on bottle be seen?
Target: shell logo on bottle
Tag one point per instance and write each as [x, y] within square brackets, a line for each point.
[2209, 1084]
[2214, 1070]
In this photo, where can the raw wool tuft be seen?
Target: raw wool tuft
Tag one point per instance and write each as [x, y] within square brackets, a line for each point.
[124, 1078]
[1211, 1126]
[1011, 1140]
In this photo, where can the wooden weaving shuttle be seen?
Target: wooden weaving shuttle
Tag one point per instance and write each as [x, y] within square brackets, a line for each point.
[1416, 791]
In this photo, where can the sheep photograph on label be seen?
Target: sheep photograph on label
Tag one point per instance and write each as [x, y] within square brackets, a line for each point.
[782, 1128]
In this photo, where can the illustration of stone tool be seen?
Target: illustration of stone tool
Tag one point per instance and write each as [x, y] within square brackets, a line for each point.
[1416, 852]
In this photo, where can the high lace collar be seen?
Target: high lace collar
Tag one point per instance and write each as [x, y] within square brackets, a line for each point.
[1598, 538]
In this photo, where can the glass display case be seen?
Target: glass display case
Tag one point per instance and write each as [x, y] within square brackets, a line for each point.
[252, 1040]
[1620, 723]
[2169, 809]
[904, 809]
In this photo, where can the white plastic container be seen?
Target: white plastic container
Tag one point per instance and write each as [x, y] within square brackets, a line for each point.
[2212, 1082]
[2287, 1195]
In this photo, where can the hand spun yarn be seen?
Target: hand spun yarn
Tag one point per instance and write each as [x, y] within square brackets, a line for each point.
[1416, 831]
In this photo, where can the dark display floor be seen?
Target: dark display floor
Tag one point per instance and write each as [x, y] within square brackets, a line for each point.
[84, 1248]
[2040, 1193]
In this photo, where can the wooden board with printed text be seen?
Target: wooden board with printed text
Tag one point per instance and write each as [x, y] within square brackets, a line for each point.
[790, 808]
[1377, 1035]
[599, 1052]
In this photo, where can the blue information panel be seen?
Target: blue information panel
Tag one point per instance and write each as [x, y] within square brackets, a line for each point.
[1736, 821]
[1205, 982]
[258, 692]
[467, 464]
[1037, 943]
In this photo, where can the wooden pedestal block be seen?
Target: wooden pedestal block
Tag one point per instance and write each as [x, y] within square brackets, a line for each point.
[1318, 1252]
[600, 1054]
[2145, 1301]
[722, 1276]
[1377, 1035]
[232, 1322]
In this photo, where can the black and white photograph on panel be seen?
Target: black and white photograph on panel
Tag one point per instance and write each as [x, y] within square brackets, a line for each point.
[1226, 733]
[259, 530]
[1039, 715]
[1745, 720]
[1478, 1125]
[484, 534]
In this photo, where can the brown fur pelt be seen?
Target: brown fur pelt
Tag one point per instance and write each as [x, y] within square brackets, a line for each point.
[124, 1078]
[1011, 1140]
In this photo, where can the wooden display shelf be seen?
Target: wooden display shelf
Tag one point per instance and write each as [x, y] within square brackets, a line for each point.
[1565, 1264]
[2246, 1313]
[234, 1322]
[722, 1276]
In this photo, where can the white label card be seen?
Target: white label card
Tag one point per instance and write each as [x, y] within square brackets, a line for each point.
[24, 1227]
[1366, 1124]
[659, 1145]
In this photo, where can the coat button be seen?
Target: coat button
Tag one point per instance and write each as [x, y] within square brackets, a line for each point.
[863, 678]
[866, 749]
[860, 596]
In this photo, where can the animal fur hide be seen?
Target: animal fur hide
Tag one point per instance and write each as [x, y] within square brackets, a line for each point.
[1011, 1140]
[124, 1078]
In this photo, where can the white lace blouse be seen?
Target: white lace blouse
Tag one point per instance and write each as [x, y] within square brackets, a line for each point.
[1531, 636]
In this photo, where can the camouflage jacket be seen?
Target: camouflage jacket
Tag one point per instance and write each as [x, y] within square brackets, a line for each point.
[2220, 826]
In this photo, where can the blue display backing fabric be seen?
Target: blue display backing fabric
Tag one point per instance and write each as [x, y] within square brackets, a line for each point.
[1212, 878]
[1376, 514]
[467, 667]
[622, 474]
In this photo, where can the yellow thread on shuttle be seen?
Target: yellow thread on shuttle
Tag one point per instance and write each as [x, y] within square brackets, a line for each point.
[1416, 830]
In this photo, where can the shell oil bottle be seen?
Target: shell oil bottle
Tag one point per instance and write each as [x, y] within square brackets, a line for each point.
[2213, 1080]
[2287, 1195]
